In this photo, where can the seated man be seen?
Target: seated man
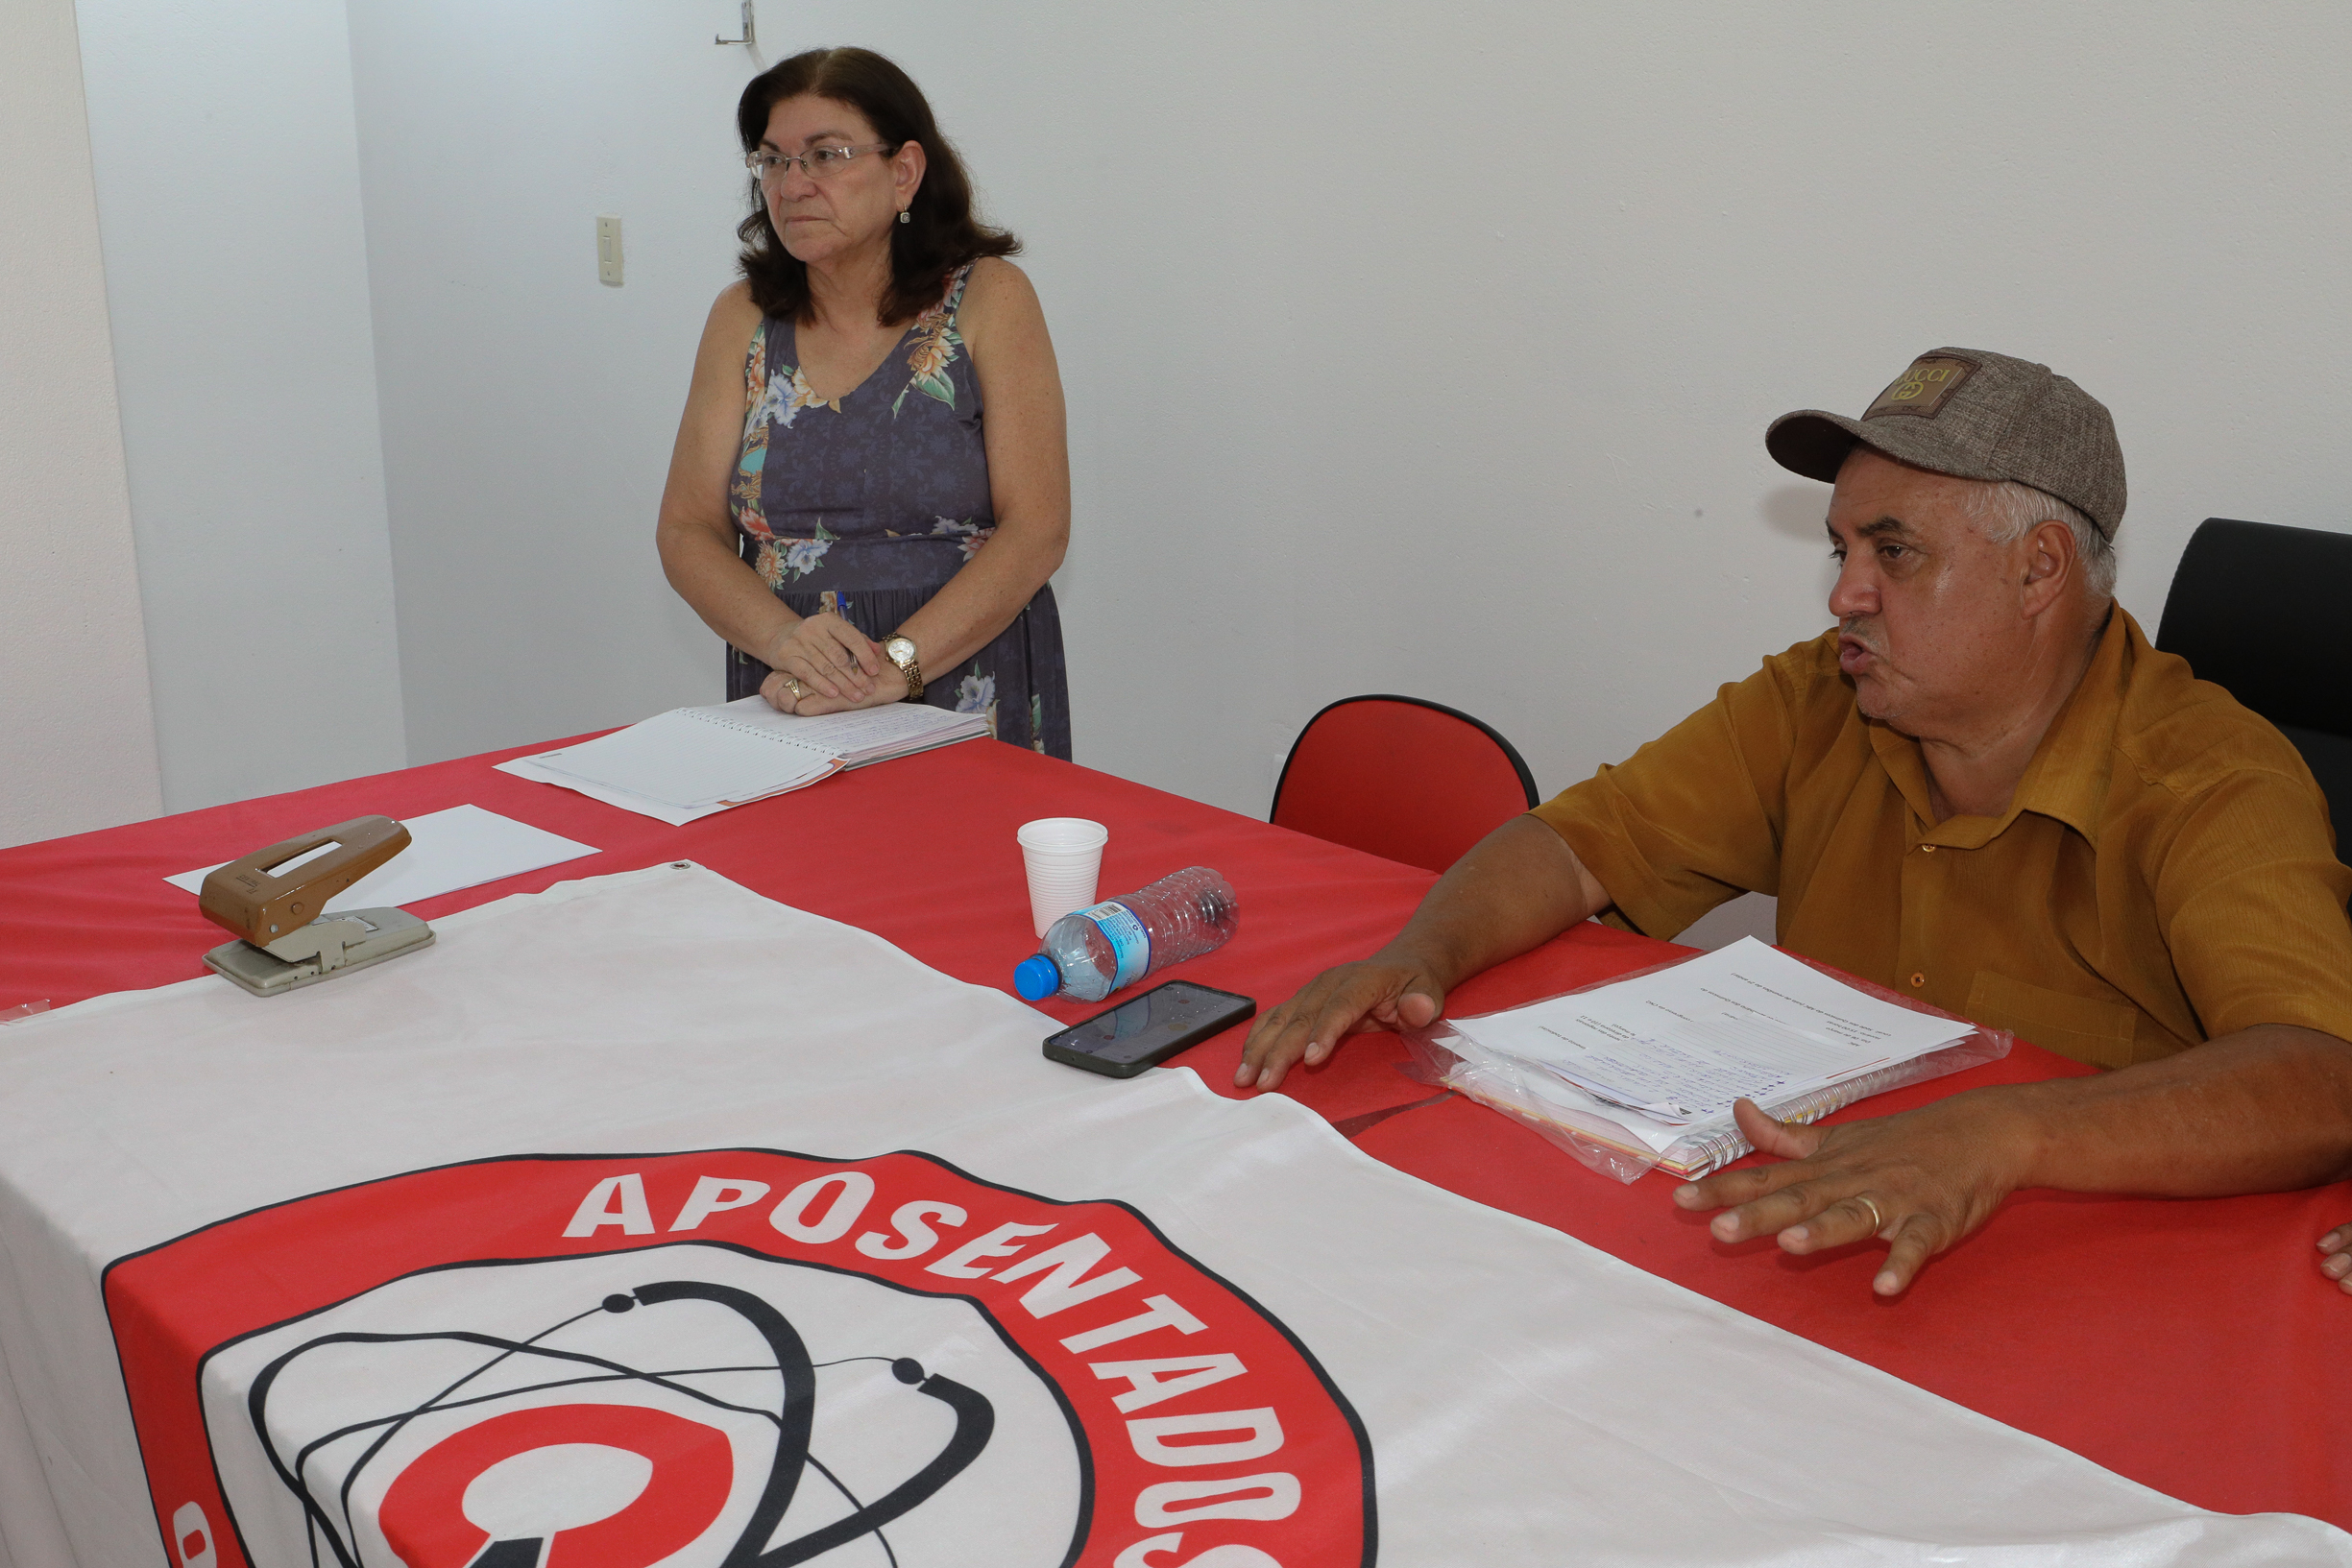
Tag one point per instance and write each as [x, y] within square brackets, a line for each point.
[1984, 790]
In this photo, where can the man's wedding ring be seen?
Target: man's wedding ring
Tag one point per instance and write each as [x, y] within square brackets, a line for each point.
[798, 690]
[1877, 1223]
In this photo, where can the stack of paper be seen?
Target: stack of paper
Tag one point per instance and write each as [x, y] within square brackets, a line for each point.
[691, 762]
[1660, 1059]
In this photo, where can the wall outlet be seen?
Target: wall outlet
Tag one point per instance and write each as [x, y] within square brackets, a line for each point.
[608, 250]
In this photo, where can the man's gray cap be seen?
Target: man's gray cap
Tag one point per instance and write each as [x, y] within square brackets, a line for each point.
[1973, 414]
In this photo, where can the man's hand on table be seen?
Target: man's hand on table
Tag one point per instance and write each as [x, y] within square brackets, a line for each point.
[1921, 1180]
[1387, 991]
[2338, 1264]
[1518, 888]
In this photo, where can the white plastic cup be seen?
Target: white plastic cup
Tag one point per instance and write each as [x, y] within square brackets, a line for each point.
[1063, 856]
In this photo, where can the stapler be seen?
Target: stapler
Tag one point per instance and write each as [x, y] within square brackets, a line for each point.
[276, 902]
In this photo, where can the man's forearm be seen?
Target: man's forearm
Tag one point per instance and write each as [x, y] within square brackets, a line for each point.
[1518, 888]
[2266, 1109]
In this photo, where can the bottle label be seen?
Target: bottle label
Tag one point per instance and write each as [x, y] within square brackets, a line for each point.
[1130, 945]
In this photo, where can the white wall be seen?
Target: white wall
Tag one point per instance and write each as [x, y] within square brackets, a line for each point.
[1408, 350]
[77, 732]
[236, 274]
[528, 408]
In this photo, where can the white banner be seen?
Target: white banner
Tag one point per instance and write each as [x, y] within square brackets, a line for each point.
[650, 1221]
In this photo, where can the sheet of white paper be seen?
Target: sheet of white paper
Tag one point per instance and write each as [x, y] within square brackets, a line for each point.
[462, 847]
[1683, 1044]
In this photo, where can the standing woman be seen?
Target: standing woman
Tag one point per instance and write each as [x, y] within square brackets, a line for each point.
[871, 483]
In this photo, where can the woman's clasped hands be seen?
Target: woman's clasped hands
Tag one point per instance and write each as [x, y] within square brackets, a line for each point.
[826, 666]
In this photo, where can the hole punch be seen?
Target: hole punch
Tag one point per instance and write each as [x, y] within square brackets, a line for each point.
[273, 899]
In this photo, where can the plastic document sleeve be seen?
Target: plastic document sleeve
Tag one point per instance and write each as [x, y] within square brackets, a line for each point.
[1443, 1056]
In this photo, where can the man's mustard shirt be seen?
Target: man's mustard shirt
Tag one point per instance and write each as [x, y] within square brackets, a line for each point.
[2163, 873]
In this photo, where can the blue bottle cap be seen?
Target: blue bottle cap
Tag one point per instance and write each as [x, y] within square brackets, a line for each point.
[1036, 977]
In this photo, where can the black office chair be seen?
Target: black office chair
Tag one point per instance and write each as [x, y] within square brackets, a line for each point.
[2267, 612]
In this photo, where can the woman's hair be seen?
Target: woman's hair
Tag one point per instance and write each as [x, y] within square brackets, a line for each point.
[940, 233]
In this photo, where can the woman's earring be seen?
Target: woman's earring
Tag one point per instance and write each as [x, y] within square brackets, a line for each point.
[903, 217]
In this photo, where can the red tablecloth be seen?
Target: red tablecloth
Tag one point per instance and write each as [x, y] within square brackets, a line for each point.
[2185, 1344]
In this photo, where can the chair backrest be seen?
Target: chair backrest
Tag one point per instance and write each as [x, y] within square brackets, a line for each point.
[1400, 777]
[2267, 612]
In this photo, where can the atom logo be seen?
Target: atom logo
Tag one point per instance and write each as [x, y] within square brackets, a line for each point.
[732, 1412]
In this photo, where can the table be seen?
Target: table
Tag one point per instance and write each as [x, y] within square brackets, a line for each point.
[2181, 1344]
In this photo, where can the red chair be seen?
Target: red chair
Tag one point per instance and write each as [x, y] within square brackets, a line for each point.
[1400, 777]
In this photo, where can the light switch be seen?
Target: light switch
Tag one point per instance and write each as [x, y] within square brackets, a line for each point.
[608, 250]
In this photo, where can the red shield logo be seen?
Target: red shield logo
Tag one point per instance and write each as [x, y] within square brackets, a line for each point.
[727, 1358]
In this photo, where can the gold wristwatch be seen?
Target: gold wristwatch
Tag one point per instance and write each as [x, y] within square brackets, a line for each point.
[899, 651]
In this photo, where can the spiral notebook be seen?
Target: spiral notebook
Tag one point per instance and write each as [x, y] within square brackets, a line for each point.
[692, 762]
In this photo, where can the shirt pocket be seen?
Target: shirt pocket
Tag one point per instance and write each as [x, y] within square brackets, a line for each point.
[2084, 1027]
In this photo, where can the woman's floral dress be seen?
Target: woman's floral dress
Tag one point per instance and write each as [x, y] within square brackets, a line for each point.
[866, 504]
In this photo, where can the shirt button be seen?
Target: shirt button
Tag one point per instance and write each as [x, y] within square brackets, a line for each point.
[1919, 979]
[1927, 849]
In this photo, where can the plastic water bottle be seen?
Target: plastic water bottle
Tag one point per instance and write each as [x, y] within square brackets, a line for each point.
[1091, 952]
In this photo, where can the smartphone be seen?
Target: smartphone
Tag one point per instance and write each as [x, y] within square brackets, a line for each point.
[1148, 1029]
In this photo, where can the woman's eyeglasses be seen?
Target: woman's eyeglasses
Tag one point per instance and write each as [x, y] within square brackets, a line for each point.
[817, 162]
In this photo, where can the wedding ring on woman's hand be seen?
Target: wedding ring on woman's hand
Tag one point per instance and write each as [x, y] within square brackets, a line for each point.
[1876, 1222]
[792, 685]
